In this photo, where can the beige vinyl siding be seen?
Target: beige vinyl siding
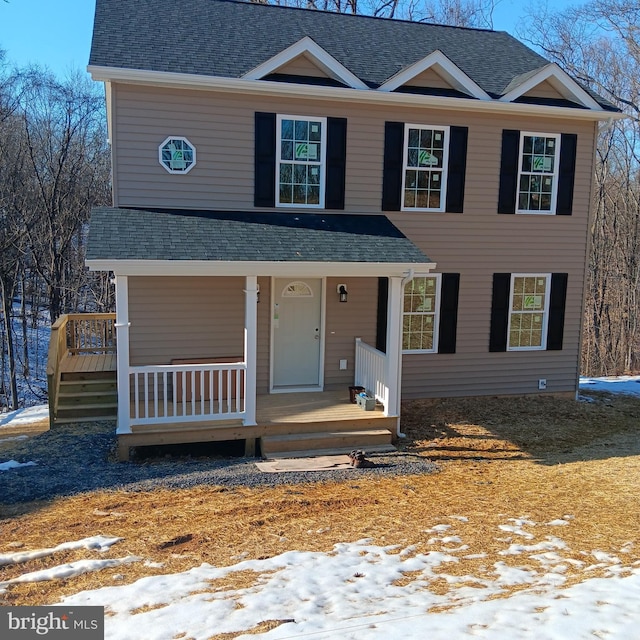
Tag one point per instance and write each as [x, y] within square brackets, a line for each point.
[185, 317]
[544, 90]
[475, 244]
[302, 66]
[346, 321]
[429, 78]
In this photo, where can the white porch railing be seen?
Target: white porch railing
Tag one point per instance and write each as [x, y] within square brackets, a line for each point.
[187, 393]
[371, 372]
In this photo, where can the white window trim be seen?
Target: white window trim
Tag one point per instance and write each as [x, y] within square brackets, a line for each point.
[436, 315]
[545, 313]
[445, 165]
[556, 173]
[323, 160]
[174, 171]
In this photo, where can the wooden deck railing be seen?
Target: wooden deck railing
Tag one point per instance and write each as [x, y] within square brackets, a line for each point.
[76, 334]
[370, 371]
[187, 392]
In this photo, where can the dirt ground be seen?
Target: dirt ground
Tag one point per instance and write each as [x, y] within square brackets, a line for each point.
[541, 458]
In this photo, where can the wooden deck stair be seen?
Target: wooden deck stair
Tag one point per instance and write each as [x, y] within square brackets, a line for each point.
[87, 390]
[332, 437]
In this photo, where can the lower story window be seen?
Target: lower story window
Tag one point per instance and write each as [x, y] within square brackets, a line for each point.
[528, 311]
[420, 315]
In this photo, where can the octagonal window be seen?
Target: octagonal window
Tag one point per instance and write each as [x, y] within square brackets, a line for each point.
[177, 155]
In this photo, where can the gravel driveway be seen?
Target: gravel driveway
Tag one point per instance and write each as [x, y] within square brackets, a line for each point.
[75, 458]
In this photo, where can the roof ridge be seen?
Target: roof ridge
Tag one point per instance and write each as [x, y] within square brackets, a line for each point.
[363, 15]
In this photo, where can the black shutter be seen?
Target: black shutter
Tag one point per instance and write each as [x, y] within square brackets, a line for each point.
[265, 160]
[557, 302]
[381, 325]
[336, 163]
[457, 168]
[392, 167]
[566, 174]
[509, 171]
[499, 312]
[448, 312]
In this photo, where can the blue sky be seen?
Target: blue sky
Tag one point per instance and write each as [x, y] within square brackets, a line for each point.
[57, 33]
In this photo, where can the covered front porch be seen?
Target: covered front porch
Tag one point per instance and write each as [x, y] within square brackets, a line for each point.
[221, 315]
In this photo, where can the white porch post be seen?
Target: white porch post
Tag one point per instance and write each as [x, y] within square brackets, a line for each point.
[394, 346]
[250, 348]
[122, 361]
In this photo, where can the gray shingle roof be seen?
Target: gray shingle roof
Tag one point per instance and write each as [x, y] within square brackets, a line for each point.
[228, 38]
[140, 234]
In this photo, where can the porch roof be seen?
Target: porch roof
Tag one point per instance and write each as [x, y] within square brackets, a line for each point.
[122, 234]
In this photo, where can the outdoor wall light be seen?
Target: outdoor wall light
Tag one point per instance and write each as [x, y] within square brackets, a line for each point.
[258, 293]
[342, 292]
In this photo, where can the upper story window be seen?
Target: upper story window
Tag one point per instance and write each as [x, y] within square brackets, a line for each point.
[177, 155]
[424, 179]
[300, 161]
[538, 173]
[528, 311]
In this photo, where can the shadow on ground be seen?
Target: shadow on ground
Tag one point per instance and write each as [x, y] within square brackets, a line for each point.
[544, 429]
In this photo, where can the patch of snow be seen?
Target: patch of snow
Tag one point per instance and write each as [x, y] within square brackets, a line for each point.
[29, 415]
[69, 570]
[13, 464]
[100, 543]
[618, 384]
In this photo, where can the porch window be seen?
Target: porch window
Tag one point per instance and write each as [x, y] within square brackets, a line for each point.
[529, 311]
[421, 315]
[300, 161]
[424, 179]
[177, 155]
[538, 173]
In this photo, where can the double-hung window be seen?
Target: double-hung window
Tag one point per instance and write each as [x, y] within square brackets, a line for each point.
[424, 175]
[528, 311]
[421, 315]
[538, 172]
[300, 161]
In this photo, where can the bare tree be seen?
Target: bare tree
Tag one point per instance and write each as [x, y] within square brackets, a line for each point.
[69, 169]
[54, 166]
[599, 44]
[459, 13]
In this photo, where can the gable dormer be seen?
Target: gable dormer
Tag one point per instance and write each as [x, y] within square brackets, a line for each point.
[305, 58]
[548, 83]
[435, 72]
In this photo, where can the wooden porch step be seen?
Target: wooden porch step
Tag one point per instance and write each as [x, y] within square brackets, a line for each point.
[88, 386]
[325, 440]
[84, 398]
[90, 411]
[303, 453]
[87, 376]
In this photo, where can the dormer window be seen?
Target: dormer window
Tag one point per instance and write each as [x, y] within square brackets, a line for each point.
[177, 155]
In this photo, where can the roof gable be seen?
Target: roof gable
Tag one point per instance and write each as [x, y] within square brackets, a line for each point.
[437, 62]
[312, 52]
[550, 76]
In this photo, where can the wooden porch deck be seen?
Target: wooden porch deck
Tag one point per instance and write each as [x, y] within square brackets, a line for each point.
[78, 364]
[286, 418]
[287, 423]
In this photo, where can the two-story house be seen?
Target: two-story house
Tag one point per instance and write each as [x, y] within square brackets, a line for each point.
[305, 201]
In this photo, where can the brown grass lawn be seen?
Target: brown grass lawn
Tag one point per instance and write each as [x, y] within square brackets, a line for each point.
[498, 458]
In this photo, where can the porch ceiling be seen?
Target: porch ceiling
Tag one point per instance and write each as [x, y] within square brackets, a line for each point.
[240, 242]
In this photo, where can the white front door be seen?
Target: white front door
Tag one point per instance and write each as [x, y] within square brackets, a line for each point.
[297, 333]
